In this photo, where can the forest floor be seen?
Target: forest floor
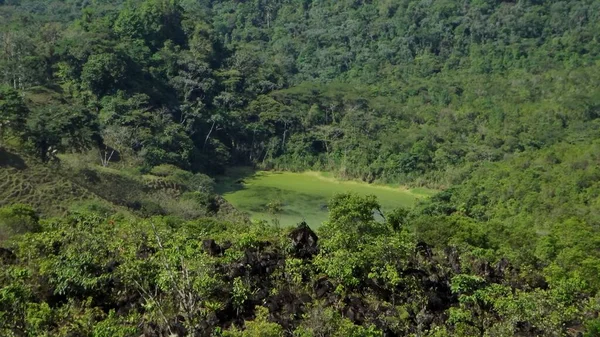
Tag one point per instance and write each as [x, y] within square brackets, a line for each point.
[302, 196]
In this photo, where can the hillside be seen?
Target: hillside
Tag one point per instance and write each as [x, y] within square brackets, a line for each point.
[70, 184]
[25, 181]
[116, 116]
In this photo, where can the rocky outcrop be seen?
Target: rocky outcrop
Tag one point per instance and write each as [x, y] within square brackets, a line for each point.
[304, 241]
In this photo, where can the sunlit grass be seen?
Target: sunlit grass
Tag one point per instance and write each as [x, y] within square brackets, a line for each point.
[304, 195]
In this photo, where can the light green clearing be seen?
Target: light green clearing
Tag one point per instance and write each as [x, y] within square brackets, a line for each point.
[304, 195]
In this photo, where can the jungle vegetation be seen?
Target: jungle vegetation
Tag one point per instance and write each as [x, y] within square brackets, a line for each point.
[116, 115]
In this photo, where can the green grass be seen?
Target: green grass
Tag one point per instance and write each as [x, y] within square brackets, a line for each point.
[76, 182]
[304, 195]
[25, 180]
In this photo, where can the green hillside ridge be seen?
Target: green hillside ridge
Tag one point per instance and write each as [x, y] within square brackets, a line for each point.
[71, 184]
[29, 182]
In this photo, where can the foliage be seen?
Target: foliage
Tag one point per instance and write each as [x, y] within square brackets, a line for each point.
[17, 219]
[162, 275]
[13, 112]
[259, 327]
[390, 91]
[325, 322]
[493, 102]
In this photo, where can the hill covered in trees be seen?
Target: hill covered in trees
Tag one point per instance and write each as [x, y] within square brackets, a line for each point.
[129, 106]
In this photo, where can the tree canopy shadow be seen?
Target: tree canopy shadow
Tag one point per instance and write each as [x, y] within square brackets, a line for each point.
[233, 180]
[9, 159]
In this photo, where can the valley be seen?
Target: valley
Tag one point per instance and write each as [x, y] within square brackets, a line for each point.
[299, 168]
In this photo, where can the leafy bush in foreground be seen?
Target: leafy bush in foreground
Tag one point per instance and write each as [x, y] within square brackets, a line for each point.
[91, 275]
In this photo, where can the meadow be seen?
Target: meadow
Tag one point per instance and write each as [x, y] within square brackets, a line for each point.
[303, 196]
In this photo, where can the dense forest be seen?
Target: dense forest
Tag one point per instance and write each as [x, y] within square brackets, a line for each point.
[115, 116]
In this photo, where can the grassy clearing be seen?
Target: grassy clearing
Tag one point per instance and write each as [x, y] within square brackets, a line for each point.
[27, 181]
[77, 183]
[304, 195]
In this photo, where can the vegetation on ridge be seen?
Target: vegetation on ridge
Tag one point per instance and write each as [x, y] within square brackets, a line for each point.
[114, 115]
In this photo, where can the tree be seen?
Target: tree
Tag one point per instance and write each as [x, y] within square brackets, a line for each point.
[13, 112]
[18, 219]
[115, 140]
[17, 60]
[351, 237]
[103, 73]
[351, 221]
[152, 21]
[60, 128]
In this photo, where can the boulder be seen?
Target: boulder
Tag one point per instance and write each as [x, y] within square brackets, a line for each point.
[453, 258]
[211, 248]
[304, 241]
[322, 287]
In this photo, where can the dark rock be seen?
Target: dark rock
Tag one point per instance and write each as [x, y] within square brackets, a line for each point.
[415, 272]
[423, 249]
[237, 270]
[7, 256]
[8, 159]
[435, 302]
[483, 269]
[134, 205]
[424, 320]
[111, 266]
[152, 330]
[355, 310]
[322, 287]
[537, 281]
[273, 305]
[286, 308]
[90, 176]
[502, 267]
[304, 241]
[144, 251]
[351, 315]
[453, 258]
[305, 298]
[178, 328]
[256, 263]
[260, 295]
[355, 301]
[226, 245]
[211, 248]
[527, 329]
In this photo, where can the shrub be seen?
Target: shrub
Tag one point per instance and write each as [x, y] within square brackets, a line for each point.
[17, 219]
[260, 327]
[164, 170]
[93, 206]
[193, 182]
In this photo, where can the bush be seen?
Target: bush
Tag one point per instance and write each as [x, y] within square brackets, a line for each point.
[93, 206]
[260, 327]
[164, 170]
[193, 182]
[18, 219]
[150, 208]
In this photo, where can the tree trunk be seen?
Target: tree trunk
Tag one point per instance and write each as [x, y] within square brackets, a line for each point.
[208, 136]
[283, 143]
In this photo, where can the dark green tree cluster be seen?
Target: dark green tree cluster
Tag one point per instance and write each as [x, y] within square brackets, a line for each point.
[398, 91]
[47, 129]
[496, 103]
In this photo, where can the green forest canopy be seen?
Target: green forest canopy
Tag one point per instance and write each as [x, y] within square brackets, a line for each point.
[494, 102]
